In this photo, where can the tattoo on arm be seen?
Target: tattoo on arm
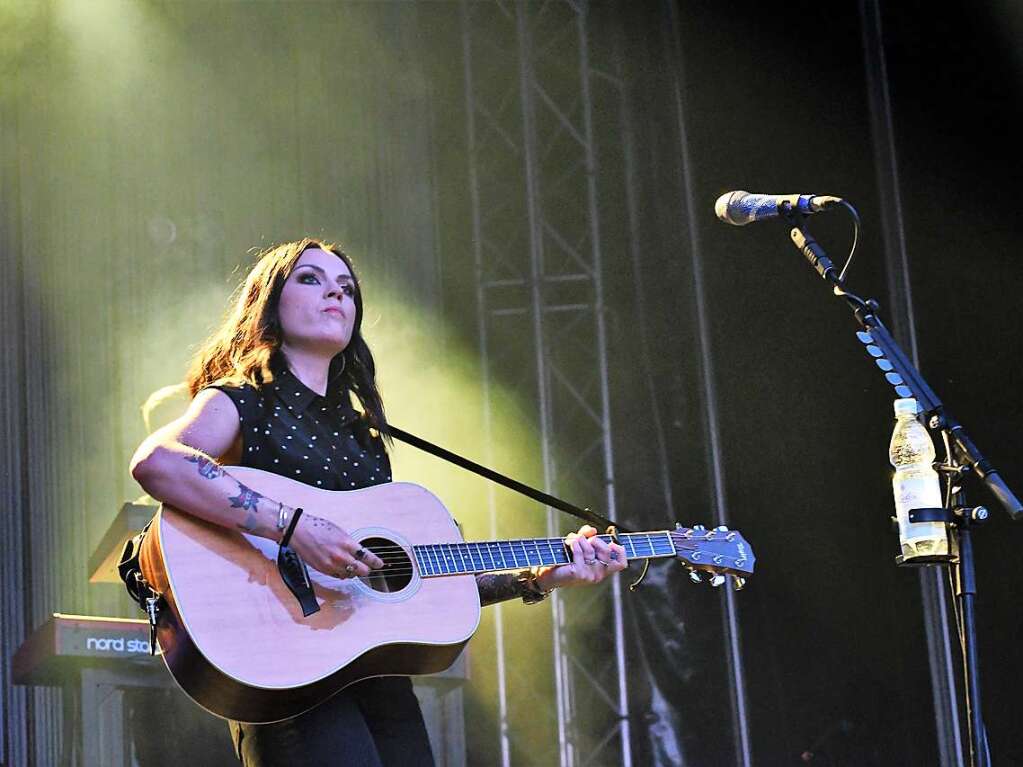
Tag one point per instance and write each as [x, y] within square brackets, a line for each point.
[320, 522]
[498, 588]
[250, 525]
[207, 468]
[247, 498]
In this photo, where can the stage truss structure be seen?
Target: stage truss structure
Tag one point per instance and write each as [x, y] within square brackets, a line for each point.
[537, 251]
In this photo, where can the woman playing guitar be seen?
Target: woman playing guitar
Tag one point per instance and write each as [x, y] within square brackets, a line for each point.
[272, 390]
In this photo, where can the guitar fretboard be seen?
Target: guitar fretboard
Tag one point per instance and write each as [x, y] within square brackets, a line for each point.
[436, 559]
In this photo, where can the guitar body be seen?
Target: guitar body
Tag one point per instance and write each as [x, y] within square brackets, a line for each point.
[234, 637]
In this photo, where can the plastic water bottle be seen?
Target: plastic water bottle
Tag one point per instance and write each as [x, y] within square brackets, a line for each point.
[915, 484]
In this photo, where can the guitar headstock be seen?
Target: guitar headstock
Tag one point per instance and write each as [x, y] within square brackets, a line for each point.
[716, 553]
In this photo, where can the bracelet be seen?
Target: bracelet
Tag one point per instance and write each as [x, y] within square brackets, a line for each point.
[291, 527]
[282, 520]
[532, 591]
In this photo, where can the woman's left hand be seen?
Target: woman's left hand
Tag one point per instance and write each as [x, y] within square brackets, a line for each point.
[592, 561]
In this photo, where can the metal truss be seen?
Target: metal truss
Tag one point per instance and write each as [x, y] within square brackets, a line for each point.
[537, 248]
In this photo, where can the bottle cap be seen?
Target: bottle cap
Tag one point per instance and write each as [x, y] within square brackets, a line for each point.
[906, 406]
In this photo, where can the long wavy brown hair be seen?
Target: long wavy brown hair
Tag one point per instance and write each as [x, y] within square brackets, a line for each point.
[247, 345]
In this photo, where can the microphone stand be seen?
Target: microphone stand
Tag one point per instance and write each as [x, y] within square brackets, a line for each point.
[962, 457]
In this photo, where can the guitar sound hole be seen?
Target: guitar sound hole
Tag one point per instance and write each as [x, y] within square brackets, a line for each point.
[397, 570]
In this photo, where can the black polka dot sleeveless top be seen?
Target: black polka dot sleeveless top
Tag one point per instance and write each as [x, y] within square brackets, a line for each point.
[290, 430]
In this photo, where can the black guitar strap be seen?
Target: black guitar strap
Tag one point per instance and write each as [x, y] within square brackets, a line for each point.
[598, 521]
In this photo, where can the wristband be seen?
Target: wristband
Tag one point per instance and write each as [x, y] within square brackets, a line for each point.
[532, 591]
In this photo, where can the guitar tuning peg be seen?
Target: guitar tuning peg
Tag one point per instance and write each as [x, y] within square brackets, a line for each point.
[695, 577]
[721, 529]
[701, 528]
[717, 580]
[738, 582]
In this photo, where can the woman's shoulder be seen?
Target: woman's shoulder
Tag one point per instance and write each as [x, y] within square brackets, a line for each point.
[247, 398]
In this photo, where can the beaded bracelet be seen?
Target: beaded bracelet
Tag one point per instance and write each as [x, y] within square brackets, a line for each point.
[532, 591]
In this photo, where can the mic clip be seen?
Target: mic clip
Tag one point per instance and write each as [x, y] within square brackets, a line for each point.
[807, 245]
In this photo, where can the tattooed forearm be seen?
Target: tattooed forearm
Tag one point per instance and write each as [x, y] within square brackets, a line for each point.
[251, 523]
[247, 498]
[320, 522]
[220, 499]
[207, 468]
[498, 588]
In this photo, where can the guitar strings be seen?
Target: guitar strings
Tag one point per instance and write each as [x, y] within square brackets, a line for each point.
[506, 545]
[385, 573]
[535, 541]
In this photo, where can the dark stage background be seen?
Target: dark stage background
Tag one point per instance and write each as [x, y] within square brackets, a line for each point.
[777, 100]
[719, 97]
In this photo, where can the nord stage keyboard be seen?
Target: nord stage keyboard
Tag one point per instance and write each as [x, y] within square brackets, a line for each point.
[68, 643]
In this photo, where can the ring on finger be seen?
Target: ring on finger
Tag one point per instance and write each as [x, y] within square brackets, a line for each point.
[602, 562]
[589, 561]
[350, 569]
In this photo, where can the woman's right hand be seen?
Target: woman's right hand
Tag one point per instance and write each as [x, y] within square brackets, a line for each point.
[329, 549]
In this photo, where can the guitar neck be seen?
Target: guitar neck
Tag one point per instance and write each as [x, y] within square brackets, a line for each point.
[436, 559]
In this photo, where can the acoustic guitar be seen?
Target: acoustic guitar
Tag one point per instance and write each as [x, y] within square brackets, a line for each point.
[236, 641]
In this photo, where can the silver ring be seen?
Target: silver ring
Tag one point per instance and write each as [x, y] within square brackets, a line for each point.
[589, 561]
[350, 569]
[360, 553]
[601, 562]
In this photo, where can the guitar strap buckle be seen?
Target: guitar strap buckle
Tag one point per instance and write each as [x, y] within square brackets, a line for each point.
[612, 530]
[149, 600]
[294, 573]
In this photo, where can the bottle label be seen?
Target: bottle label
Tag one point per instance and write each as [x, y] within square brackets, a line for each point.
[917, 490]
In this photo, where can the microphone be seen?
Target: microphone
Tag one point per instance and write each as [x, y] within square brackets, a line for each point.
[741, 208]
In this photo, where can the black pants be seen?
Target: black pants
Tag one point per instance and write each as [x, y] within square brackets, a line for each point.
[374, 723]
